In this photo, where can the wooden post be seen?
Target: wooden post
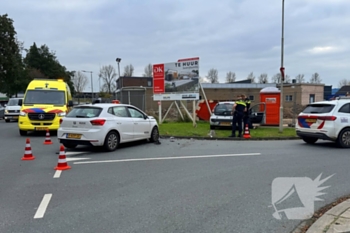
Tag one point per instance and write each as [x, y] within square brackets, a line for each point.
[160, 112]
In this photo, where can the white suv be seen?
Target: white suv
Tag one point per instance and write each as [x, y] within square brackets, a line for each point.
[327, 120]
[12, 109]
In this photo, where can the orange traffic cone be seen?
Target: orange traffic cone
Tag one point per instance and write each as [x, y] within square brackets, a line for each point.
[246, 132]
[62, 162]
[47, 138]
[28, 151]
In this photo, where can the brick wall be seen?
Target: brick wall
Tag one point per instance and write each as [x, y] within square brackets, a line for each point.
[308, 90]
[230, 94]
[135, 82]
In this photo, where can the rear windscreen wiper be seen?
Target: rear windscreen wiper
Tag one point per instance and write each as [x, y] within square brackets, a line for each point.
[80, 116]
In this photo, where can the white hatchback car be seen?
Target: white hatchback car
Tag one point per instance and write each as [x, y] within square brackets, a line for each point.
[222, 115]
[106, 125]
[327, 120]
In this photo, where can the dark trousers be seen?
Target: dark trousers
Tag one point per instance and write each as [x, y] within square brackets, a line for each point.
[237, 122]
[247, 121]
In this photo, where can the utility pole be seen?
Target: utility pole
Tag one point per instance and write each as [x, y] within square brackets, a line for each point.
[282, 73]
[118, 60]
[294, 108]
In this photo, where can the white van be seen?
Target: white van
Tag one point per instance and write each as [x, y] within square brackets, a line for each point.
[12, 109]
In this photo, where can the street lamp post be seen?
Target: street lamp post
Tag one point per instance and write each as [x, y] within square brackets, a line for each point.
[92, 85]
[118, 61]
[282, 72]
[121, 95]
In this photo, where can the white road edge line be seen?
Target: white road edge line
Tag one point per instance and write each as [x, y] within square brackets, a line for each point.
[166, 158]
[57, 174]
[43, 205]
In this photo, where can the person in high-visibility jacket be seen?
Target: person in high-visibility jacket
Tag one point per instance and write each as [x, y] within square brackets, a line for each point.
[238, 110]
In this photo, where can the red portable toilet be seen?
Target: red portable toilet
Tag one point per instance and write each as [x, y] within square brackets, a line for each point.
[115, 102]
[271, 96]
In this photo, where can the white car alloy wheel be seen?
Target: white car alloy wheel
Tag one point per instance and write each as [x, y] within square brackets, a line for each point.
[344, 138]
[154, 135]
[111, 141]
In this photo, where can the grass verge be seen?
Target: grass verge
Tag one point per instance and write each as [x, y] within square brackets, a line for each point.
[183, 129]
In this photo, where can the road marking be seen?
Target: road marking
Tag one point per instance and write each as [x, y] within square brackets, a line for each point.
[43, 205]
[167, 158]
[74, 152]
[75, 159]
[57, 174]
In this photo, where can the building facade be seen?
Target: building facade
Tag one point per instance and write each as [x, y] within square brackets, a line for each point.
[138, 91]
[229, 91]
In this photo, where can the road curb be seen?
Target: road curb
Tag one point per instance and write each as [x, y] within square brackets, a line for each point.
[229, 139]
[333, 218]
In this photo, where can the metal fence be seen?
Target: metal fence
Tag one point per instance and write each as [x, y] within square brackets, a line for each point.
[133, 97]
[293, 102]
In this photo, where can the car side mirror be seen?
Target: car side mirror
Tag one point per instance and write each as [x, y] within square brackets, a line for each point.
[145, 117]
[20, 102]
[70, 103]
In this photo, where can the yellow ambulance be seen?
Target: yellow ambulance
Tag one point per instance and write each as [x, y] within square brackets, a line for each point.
[45, 102]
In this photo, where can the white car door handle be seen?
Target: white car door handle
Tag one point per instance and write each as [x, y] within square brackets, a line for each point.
[135, 123]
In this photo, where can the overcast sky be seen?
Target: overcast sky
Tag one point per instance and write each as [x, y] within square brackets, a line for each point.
[241, 36]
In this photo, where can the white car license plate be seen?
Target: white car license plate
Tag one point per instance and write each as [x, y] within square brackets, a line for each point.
[73, 136]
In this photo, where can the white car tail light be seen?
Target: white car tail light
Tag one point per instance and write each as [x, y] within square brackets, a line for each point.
[327, 118]
[98, 122]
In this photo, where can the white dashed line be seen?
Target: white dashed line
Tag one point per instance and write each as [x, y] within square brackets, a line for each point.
[167, 158]
[57, 174]
[74, 159]
[43, 205]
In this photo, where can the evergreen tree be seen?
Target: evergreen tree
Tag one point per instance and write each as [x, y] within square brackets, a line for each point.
[12, 73]
[43, 63]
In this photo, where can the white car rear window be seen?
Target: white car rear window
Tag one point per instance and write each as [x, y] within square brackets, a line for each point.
[319, 108]
[223, 109]
[84, 112]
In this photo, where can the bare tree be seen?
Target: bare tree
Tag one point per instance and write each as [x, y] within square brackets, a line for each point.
[108, 76]
[128, 70]
[315, 78]
[251, 77]
[263, 78]
[287, 78]
[79, 83]
[300, 78]
[343, 82]
[276, 78]
[148, 71]
[213, 76]
[230, 77]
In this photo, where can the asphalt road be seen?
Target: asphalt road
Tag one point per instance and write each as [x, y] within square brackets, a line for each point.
[136, 189]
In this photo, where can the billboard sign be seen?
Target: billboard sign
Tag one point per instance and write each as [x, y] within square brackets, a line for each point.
[176, 80]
